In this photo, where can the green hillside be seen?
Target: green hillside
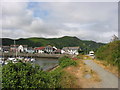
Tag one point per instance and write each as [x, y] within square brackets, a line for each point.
[110, 53]
[65, 41]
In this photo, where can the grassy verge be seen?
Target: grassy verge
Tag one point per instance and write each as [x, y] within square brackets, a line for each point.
[109, 67]
[108, 56]
[66, 79]
[85, 57]
[74, 75]
[104, 64]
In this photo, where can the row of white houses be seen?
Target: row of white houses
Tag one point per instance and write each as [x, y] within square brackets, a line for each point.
[47, 49]
[64, 50]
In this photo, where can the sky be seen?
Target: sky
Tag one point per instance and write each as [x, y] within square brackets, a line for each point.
[97, 21]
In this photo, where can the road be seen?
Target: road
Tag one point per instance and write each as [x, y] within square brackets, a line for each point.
[108, 80]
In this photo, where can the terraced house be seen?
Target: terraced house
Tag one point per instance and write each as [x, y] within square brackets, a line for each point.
[70, 50]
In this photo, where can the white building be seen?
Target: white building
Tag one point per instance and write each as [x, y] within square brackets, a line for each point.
[91, 53]
[70, 50]
[22, 48]
[39, 49]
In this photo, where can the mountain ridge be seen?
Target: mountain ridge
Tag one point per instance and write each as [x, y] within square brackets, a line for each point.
[66, 41]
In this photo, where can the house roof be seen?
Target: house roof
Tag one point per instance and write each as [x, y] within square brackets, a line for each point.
[39, 48]
[58, 50]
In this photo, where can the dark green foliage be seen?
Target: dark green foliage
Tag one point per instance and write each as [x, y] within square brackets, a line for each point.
[56, 77]
[110, 53]
[65, 41]
[66, 61]
[25, 75]
[7, 41]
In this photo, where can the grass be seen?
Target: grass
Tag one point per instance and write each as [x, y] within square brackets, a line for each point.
[68, 80]
[104, 64]
[108, 67]
[84, 57]
[78, 75]
[87, 70]
[73, 75]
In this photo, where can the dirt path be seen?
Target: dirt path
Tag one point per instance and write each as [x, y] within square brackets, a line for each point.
[108, 80]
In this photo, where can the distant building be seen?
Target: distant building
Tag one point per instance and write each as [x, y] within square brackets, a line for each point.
[30, 50]
[91, 53]
[5, 48]
[70, 50]
[39, 49]
[58, 51]
[22, 48]
[50, 49]
[54, 48]
[13, 48]
[19, 48]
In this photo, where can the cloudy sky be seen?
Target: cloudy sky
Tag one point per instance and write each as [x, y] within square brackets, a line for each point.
[97, 21]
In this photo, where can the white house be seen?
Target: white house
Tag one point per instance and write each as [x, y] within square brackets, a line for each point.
[18, 48]
[39, 49]
[54, 48]
[22, 48]
[70, 50]
[50, 49]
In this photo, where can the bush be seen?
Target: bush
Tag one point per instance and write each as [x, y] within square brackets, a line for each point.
[25, 75]
[110, 53]
[66, 61]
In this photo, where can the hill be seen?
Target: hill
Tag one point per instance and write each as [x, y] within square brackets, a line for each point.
[110, 53]
[65, 41]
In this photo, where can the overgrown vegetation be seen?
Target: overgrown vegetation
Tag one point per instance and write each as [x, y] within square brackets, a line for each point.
[27, 75]
[66, 61]
[110, 53]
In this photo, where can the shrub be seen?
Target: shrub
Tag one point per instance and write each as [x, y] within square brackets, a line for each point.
[110, 53]
[25, 75]
[66, 61]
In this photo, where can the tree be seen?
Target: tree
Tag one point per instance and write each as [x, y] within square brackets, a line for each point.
[114, 38]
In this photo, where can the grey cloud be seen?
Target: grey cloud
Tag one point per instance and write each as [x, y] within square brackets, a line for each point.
[91, 21]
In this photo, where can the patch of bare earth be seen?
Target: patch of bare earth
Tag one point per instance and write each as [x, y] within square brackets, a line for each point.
[108, 67]
[86, 77]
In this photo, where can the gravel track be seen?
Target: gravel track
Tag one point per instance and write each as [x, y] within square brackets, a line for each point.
[108, 80]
